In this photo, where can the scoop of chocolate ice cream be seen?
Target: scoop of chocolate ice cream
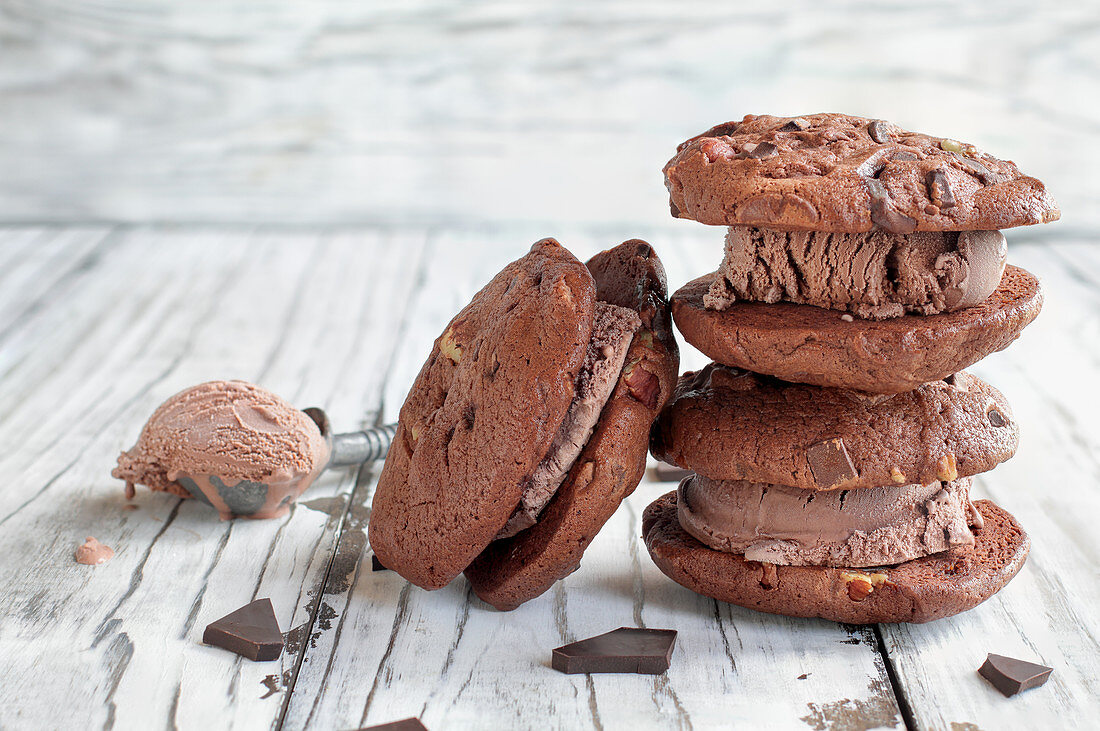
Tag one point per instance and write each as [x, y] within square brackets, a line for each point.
[237, 446]
[874, 275]
[789, 526]
[612, 332]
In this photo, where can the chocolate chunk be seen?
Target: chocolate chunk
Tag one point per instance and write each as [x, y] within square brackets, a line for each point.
[723, 130]
[375, 564]
[251, 631]
[764, 149]
[1010, 676]
[625, 650]
[980, 171]
[996, 418]
[666, 472]
[405, 724]
[939, 192]
[888, 218]
[883, 213]
[797, 124]
[830, 464]
[878, 132]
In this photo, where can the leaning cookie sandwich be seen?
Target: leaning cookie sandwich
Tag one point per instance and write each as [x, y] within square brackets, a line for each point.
[528, 424]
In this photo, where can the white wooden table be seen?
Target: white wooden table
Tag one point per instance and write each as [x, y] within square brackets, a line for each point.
[99, 324]
[330, 181]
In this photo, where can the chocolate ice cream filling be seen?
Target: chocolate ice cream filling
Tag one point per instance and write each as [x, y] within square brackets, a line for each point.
[875, 275]
[612, 332]
[877, 526]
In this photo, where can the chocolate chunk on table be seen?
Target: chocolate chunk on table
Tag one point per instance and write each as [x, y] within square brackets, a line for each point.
[405, 724]
[625, 650]
[251, 631]
[1010, 676]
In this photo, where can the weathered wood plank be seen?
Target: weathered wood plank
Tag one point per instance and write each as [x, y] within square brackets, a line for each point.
[395, 650]
[344, 320]
[333, 112]
[305, 315]
[1048, 612]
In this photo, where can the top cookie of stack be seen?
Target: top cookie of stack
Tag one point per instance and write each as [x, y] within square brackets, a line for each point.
[868, 223]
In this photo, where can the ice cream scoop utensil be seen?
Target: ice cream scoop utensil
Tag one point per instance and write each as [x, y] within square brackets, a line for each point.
[241, 449]
[356, 447]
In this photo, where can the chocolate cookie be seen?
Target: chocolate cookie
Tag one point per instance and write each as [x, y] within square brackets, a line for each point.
[835, 172]
[729, 424]
[514, 570]
[920, 590]
[481, 415]
[809, 344]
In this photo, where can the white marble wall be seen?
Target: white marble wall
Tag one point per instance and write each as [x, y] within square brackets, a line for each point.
[287, 111]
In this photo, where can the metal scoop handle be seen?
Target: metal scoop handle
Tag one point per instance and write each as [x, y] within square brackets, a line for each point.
[361, 446]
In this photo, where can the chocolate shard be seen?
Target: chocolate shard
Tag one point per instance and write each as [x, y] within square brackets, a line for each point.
[405, 724]
[888, 218]
[1010, 676]
[722, 130]
[879, 133]
[798, 124]
[830, 464]
[883, 213]
[251, 631]
[764, 149]
[375, 564]
[666, 472]
[939, 191]
[980, 171]
[625, 650]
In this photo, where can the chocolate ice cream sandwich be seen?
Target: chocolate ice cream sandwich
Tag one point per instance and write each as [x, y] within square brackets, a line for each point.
[879, 248]
[528, 424]
[807, 489]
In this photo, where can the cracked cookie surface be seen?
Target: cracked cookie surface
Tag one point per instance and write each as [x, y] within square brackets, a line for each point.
[729, 424]
[840, 173]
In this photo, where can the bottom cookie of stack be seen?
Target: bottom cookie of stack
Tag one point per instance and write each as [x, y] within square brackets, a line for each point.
[919, 590]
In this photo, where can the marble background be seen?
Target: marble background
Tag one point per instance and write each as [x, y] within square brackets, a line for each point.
[545, 113]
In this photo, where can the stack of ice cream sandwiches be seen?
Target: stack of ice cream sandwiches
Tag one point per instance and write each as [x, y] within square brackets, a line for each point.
[834, 437]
